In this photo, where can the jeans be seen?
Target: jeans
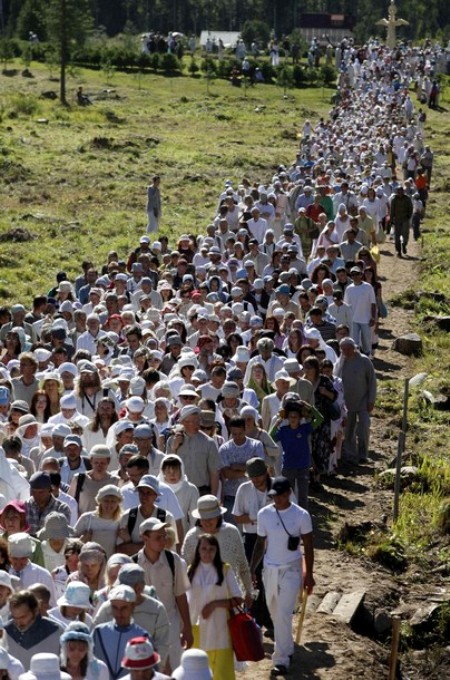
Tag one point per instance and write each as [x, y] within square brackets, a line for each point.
[301, 476]
[361, 334]
[416, 225]
[228, 503]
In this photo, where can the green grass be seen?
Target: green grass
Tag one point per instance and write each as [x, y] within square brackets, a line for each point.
[86, 169]
[420, 527]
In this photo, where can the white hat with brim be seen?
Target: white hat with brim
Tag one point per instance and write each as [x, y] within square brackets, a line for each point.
[44, 666]
[76, 594]
[20, 545]
[194, 666]
[283, 375]
[208, 507]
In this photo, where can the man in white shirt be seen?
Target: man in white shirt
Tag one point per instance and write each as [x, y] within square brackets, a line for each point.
[257, 226]
[88, 340]
[360, 296]
[20, 549]
[280, 527]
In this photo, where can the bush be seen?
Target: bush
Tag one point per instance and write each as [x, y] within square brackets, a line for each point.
[268, 71]
[284, 77]
[311, 75]
[23, 104]
[209, 66]
[169, 63]
[328, 75]
[193, 67]
[299, 75]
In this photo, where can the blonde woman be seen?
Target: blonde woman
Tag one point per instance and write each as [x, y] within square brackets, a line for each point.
[102, 524]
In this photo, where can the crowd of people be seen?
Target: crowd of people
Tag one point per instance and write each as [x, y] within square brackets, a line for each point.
[166, 415]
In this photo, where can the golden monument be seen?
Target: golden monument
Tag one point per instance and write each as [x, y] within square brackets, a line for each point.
[391, 24]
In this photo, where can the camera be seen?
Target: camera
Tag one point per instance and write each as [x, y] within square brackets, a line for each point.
[293, 542]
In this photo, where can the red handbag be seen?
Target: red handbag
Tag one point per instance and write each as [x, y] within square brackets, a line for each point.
[245, 635]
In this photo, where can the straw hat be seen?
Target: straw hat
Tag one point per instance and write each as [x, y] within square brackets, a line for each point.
[208, 507]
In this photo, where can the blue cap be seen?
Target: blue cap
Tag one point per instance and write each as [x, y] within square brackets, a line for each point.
[284, 289]
[4, 396]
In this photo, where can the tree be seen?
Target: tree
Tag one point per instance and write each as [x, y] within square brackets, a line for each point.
[32, 19]
[68, 24]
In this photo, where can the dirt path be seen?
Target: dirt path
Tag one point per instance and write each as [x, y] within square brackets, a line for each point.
[331, 649]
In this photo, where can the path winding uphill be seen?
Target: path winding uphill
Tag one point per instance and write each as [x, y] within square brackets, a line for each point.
[330, 648]
[348, 617]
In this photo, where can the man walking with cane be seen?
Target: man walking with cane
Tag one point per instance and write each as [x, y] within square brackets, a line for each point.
[280, 528]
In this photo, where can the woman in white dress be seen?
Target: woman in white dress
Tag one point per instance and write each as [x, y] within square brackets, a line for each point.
[102, 524]
[214, 589]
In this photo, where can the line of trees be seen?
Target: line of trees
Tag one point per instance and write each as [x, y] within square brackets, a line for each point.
[427, 19]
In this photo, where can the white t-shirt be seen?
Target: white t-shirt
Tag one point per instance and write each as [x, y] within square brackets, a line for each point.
[360, 298]
[297, 522]
[167, 499]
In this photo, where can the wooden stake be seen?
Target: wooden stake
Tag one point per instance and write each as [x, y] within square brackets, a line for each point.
[303, 601]
[396, 623]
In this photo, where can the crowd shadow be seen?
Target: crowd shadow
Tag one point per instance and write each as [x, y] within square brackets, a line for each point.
[385, 333]
[383, 366]
[309, 659]
[331, 497]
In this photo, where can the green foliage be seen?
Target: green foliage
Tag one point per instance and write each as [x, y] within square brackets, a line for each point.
[193, 67]
[23, 104]
[443, 520]
[209, 66]
[32, 19]
[328, 75]
[68, 24]
[169, 63]
[7, 51]
[389, 552]
[255, 19]
[255, 31]
[284, 77]
[299, 75]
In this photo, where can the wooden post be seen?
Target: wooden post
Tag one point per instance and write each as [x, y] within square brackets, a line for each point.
[396, 623]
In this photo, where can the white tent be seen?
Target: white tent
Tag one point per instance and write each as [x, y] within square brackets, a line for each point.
[229, 38]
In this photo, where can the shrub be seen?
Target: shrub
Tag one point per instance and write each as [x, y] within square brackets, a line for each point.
[328, 75]
[268, 71]
[169, 63]
[311, 75]
[193, 67]
[299, 75]
[23, 104]
[209, 66]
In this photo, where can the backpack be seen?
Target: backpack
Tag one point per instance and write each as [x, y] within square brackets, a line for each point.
[132, 518]
[170, 560]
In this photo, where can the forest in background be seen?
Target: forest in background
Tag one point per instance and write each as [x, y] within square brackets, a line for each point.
[429, 19]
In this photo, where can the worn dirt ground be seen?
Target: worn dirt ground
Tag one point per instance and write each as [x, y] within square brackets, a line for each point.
[330, 649]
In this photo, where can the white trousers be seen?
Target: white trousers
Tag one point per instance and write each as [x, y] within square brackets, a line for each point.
[153, 222]
[282, 586]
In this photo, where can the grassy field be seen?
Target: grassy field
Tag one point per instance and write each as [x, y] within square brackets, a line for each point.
[76, 178]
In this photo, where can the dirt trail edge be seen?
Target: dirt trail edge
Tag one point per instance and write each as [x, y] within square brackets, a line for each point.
[329, 647]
